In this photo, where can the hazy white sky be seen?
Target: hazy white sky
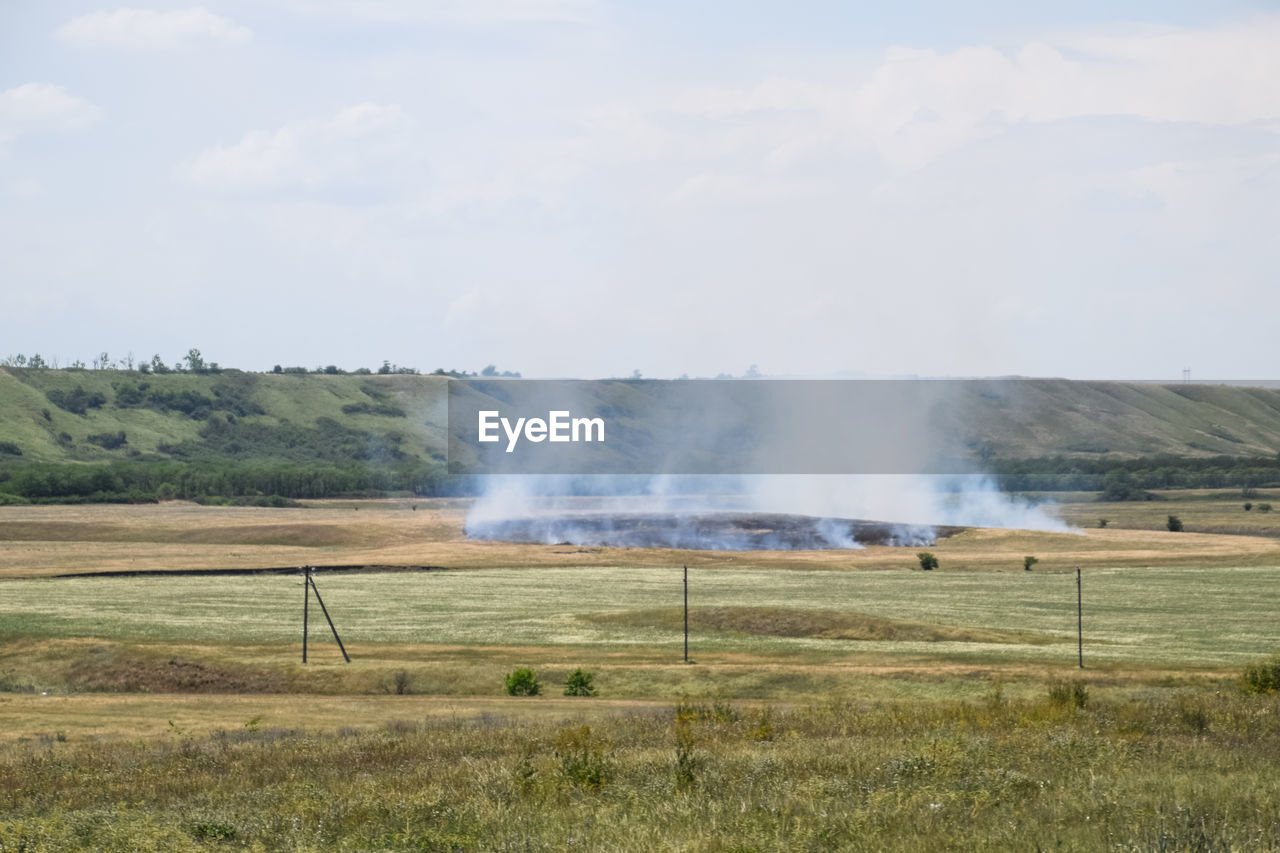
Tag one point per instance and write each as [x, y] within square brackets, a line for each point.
[584, 188]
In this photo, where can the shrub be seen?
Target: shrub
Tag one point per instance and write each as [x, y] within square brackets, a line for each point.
[686, 769]
[402, 683]
[77, 402]
[1064, 693]
[523, 681]
[1102, 522]
[1174, 524]
[1028, 562]
[1247, 506]
[1262, 677]
[10, 448]
[928, 562]
[584, 757]
[579, 684]
[1264, 507]
[108, 440]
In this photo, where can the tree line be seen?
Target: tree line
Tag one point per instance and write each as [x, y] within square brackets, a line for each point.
[145, 482]
[195, 362]
[1125, 479]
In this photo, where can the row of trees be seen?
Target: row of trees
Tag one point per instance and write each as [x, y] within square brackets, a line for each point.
[194, 362]
[150, 481]
[1128, 479]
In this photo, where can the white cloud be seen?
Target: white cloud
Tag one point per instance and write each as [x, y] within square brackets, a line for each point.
[360, 147]
[42, 107]
[149, 29]
[463, 13]
[920, 103]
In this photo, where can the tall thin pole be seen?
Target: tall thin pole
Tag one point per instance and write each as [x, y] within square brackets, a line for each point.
[686, 614]
[343, 648]
[306, 600]
[1079, 619]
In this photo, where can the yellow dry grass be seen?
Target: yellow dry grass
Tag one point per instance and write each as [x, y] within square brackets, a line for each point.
[132, 715]
[50, 540]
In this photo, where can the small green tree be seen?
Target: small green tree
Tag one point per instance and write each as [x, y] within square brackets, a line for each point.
[1028, 562]
[1174, 524]
[1261, 677]
[1247, 506]
[579, 684]
[928, 562]
[1102, 522]
[523, 681]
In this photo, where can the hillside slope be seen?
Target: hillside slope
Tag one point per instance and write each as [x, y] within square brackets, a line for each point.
[79, 416]
[90, 416]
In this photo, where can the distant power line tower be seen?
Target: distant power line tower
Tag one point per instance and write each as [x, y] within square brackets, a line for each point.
[1186, 376]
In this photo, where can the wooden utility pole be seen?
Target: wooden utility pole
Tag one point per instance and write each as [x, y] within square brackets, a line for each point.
[309, 585]
[1079, 619]
[306, 601]
[686, 614]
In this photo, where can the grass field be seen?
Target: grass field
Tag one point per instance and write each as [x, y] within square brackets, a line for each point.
[835, 700]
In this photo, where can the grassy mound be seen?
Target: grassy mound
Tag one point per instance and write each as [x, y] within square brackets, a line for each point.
[818, 624]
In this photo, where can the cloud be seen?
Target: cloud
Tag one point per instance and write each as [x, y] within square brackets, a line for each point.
[361, 147]
[459, 13]
[917, 104]
[42, 107]
[147, 29]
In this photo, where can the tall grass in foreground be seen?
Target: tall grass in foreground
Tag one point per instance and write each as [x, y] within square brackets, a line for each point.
[1190, 771]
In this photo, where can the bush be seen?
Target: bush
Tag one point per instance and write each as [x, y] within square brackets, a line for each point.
[78, 402]
[1028, 562]
[1247, 506]
[1102, 522]
[108, 440]
[928, 562]
[1174, 524]
[1261, 677]
[1068, 693]
[10, 448]
[579, 684]
[523, 681]
[1264, 507]
[584, 757]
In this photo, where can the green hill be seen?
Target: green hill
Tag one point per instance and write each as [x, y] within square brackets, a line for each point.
[78, 416]
[90, 434]
[1021, 419]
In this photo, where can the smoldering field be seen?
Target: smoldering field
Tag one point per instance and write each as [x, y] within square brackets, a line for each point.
[739, 513]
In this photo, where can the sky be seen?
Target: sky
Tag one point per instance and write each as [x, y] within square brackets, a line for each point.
[582, 188]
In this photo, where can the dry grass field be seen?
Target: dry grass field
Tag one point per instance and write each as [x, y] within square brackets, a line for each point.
[764, 625]
[42, 541]
[837, 700]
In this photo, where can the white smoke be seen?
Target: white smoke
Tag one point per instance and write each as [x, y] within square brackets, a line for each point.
[960, 500]
[555, 509]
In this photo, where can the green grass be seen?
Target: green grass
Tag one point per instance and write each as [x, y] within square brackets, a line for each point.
[1183, 617]
[298, 399]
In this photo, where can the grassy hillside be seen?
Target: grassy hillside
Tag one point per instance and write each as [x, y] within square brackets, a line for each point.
[1043, 417]
[105, 434]
[78, 415]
